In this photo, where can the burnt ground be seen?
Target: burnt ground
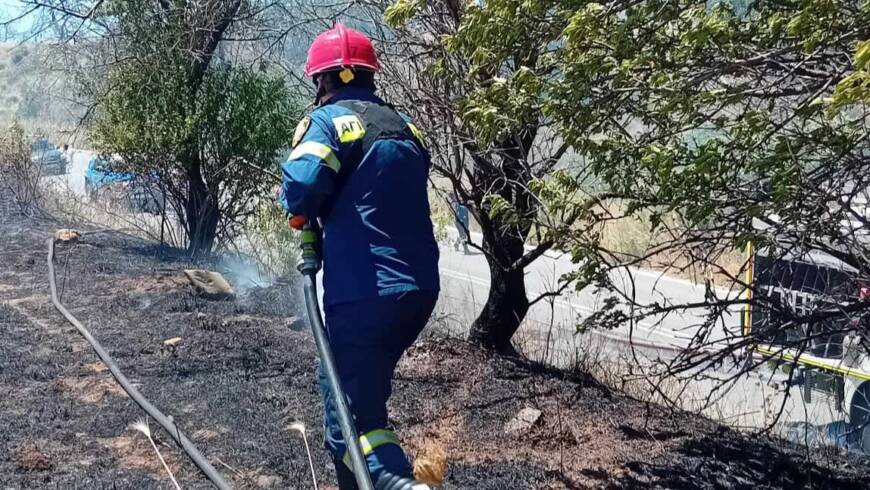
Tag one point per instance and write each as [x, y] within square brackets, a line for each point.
[245, 369]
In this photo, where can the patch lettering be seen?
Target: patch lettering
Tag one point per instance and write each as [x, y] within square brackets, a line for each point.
[349, 128]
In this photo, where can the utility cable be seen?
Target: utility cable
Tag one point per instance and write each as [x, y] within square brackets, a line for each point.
[165, 421]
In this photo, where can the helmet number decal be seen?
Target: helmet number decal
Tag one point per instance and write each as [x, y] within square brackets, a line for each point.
[301, 129]
[349, 128]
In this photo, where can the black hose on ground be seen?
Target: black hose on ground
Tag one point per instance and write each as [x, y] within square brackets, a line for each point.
[166, 422]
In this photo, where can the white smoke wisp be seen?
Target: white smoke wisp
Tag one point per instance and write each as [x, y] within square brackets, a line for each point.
[245, 275]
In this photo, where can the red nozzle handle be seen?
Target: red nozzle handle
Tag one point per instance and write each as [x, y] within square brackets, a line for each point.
[297, 222]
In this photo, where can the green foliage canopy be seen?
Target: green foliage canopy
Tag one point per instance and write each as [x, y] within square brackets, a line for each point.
[239, 120]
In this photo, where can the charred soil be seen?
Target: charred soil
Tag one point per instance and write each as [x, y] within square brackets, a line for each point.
[244, 369]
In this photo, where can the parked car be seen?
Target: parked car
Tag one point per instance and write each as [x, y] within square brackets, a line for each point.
[141, 193]
[47, 157]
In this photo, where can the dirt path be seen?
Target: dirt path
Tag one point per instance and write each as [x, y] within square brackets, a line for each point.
[245, 369]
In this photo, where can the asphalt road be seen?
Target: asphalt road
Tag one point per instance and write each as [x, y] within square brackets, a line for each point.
[465, 281]
[549, 334]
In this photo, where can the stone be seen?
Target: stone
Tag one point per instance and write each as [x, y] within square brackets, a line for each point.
[268, 481]
[67, 235]
[172, 342]
[523, 421]
[209, 284]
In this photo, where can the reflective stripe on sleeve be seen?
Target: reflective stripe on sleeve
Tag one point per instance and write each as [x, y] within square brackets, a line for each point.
[318, 150]
[371, 441]
[417, 134]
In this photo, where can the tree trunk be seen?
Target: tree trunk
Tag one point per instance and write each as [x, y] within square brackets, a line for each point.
[202, 214]
[507, 304]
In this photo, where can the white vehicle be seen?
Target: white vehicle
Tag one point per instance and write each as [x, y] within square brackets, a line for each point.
[835, 361]
[47, 157]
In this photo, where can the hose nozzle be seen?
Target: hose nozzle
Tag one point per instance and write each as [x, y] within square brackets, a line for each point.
[309, 260]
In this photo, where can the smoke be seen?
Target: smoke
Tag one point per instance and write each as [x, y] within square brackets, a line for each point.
[245, 275]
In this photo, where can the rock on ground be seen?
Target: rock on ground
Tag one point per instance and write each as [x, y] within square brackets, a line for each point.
[524, 420]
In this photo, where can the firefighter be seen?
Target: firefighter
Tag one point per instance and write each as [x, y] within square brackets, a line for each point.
[361, 168]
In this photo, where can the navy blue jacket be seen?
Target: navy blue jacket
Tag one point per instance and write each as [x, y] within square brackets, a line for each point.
[377, 234]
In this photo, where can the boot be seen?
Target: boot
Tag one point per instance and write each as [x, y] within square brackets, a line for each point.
[345, 478]
[389, 481]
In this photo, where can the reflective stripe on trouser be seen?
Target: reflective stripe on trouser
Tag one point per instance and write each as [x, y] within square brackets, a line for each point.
[371, 441]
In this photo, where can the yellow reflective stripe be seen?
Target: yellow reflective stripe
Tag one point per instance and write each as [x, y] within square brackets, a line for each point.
[790, 356]
[417, 133]
[319, 150]
[371, 441]
[349, 128]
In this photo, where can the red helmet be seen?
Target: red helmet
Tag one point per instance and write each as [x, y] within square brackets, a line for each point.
[340, 47]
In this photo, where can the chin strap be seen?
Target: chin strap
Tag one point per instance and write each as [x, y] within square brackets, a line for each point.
[321, 90]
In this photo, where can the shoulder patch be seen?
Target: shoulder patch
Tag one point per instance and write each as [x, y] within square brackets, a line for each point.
[349, 128]
[301, 129]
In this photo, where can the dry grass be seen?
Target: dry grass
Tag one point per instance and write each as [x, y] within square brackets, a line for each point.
[300, 428]
[631, 236]
[265, 238]
[18, 174]
[142, 426]
[108, 211]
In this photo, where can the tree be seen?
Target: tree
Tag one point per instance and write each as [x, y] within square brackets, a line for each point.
[205, 147]
[716, 128]
[722, 130]
[170, 95]
[476, 78]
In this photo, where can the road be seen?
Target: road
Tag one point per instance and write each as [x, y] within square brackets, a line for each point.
[465, 281]
[465, 284]
[548, 334]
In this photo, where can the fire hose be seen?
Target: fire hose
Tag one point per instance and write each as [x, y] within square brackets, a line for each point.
[165, 421]
[309, 264]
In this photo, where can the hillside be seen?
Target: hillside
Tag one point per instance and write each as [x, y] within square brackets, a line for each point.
[18, 72]
[32, 92]
[245, 369]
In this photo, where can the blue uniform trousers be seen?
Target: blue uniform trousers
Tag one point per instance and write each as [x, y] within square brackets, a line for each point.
[368, 337]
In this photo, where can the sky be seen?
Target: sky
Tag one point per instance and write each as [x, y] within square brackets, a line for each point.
[10, 9]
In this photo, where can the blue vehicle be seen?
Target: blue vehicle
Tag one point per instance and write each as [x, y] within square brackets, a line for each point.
[141, 192]
[99, 175]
